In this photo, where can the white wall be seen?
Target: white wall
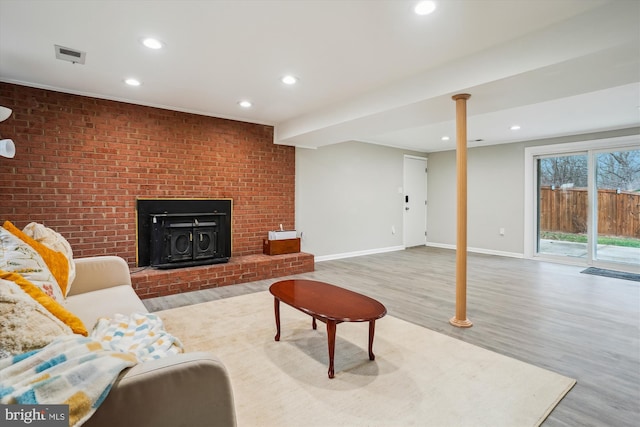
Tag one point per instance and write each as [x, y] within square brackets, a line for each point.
[347, 199]
[495, 183]
[495, 194]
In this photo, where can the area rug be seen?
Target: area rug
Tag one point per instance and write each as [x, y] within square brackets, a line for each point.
[612, 273]
[418, 378]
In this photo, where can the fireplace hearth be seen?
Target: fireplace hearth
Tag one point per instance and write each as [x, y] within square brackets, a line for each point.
[174, 233]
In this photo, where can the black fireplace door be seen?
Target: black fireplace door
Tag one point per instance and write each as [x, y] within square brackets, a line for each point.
[205, 241]
[180, 242]
[187, 239]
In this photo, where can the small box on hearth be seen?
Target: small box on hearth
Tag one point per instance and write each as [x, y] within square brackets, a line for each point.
[280, 247]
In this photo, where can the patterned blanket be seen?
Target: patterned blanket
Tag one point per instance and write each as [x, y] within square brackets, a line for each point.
[142, 335]
[79, 371]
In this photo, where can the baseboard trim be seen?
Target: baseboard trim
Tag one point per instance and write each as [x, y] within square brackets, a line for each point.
[401, 248]
[358, 253]
[478, 250]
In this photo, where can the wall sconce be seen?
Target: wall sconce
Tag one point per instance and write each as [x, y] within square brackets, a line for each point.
[7, 147]
[4, 113]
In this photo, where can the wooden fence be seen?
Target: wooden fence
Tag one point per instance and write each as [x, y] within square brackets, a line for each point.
[565, 210]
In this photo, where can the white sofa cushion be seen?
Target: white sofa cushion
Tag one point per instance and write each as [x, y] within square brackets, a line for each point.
[91, 306]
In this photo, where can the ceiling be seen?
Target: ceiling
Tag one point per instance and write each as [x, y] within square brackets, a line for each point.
[370, 71]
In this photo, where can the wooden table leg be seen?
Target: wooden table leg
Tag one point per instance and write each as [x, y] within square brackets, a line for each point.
[314, 325]
[331, 335]
[372, 328]
[276, 308]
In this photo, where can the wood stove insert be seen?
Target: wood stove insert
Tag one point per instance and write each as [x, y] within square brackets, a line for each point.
[187, 239]
[175, 233]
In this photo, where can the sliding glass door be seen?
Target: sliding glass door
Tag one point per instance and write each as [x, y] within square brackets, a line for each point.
[563, 205]
[588, 206]
[618, 206]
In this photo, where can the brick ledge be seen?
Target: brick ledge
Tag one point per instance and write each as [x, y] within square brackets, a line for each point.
[150, 282]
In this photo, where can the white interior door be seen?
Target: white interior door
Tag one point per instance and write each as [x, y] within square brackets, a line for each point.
[415, 201]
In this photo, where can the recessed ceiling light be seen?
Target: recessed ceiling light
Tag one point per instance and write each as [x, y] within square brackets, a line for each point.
[133, 82]
[425, 7]
[515, 127]
[289, 80]
[152, 43]
[245, 104]
[445, 138]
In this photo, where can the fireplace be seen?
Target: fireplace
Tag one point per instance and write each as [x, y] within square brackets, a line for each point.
[175, 233]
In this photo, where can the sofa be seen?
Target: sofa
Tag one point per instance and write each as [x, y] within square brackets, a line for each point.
[189, 389]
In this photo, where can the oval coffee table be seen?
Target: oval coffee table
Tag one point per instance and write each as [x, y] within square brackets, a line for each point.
[329, 304]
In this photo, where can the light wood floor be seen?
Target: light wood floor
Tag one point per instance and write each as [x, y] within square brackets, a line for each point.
[550, 315]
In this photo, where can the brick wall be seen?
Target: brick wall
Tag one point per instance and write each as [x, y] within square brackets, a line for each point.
[81, 163]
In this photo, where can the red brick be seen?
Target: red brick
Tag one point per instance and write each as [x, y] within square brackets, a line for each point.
[81, 162]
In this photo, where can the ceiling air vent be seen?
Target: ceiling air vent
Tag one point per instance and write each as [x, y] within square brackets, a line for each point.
[71, 55]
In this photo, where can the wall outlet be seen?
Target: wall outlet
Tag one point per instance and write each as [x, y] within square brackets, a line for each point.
[393, 229]
[502, 231]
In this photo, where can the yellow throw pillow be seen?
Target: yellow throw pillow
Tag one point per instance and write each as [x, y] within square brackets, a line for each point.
[54, 241]
[46, 301]
[56, 261]
[17, 256]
